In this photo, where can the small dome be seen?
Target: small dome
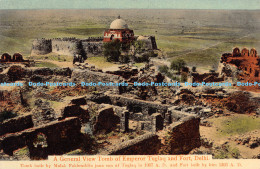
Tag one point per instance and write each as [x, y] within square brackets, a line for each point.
[118, 24]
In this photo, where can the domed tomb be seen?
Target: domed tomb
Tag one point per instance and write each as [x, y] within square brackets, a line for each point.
[119, 31]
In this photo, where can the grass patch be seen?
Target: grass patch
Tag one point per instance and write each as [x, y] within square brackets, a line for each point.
[82, 31]
[54, 57]
[46, 64]
[100, 62]
[22, 152]
[139, 64]
[239, 125]
[227, 152]
[75, 152]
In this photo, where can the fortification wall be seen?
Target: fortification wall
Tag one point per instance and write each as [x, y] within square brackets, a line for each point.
[66, 46]
[41, 47]
[92, 48]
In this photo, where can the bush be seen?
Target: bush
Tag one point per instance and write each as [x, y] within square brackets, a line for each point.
[112, 50]
[164, 69]
[178, 64]
[184, 77]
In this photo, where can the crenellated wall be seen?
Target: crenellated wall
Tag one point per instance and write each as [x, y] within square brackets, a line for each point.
[41, 46]
[68, 46]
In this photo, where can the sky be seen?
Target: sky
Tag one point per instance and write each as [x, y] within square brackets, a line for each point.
[130, 4]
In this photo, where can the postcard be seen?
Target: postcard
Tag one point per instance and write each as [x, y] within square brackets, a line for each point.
[129, 84]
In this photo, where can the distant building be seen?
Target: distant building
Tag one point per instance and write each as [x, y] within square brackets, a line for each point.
[248, 62]
[91, 46]
[119, 31]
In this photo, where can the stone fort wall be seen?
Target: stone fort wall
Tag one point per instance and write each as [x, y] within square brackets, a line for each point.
[91, 46]
[41, 46]
[67, 46]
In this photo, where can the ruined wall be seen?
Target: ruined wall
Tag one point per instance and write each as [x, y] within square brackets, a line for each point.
[88, 76]
[41, 46]
[149, 42]
[16, 124]
[149, 115]
[247, 61]
[206, 77]
[135, 105]
[59, 134]
[147, 144]
[184, 135]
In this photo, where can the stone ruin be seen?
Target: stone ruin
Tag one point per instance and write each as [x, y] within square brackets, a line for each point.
[17, 59]
[46, 132]
[244, 65]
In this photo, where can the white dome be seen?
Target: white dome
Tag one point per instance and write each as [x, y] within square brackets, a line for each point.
[118, 24]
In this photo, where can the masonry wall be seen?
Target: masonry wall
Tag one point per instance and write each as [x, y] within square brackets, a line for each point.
[41, 47]
[62, 136]
[147, 144]
[92, 48]
[134, 105]
[184, 135]
[66, 46]
[88, 76]
[16, 124]
[246, 61]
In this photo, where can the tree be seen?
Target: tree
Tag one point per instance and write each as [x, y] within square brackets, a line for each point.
[112, 50]
[164, 69]
[178, 64]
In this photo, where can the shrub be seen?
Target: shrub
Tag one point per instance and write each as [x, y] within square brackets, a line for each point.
[184, 77]
[112, 50]
[178, 64]
[164, 69]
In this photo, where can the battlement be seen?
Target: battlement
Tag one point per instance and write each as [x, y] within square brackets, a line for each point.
[73, 39]
[91, 39]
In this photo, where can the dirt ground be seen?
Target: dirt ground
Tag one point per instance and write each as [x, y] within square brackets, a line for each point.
[217, 134]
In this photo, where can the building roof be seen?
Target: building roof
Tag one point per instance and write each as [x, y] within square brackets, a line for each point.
[118, 24]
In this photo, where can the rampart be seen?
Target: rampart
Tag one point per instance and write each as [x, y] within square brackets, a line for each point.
[68, 46]
[41, 46]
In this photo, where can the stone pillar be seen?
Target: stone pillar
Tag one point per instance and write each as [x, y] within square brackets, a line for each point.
[157, 122]
[124, 122]
[168, 119]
